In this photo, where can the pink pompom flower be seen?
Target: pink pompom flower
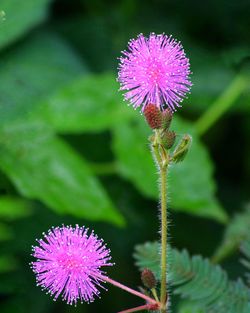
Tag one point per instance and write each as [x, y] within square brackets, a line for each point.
[154, 70]
[69, 262]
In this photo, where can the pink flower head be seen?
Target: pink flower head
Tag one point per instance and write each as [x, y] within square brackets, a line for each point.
[68, 263]
[154, 70]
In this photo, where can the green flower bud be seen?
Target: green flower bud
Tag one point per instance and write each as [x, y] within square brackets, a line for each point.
[182, 149]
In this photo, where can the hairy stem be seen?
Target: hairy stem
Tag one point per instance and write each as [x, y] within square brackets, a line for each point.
[163, 177]
[162, 159]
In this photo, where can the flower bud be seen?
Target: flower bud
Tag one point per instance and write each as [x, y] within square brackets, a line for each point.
[168, 139]
[167, 117]
[182, 149]
[153, 116]
[148, 278]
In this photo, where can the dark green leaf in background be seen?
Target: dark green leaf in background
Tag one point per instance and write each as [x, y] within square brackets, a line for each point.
[236, 232]
[33, 71]
[91, 104]
[20, 17]
[6, 232]
[44, 167]
[134, 160]
[7, 263]
[191, 183]
[12, 208]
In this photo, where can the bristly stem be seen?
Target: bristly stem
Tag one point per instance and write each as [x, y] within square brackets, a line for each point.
[162, 159]
[163, 176]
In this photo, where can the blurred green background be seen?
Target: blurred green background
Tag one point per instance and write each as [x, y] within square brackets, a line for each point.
[71, 151]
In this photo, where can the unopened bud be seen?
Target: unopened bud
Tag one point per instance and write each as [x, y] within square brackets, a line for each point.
[148, 278]
[167, 117]
[168, 139]
[153, 116]
[182, 149]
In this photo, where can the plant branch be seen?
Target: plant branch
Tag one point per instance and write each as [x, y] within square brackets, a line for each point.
[162, 159]
[130, 290]
[221, 105]
[141, 308]
[163, 176]
[155, 294]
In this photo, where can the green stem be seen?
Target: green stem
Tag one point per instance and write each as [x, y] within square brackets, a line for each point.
[154, 293]
[163, 176]
[221, 105]
[162, 159]
[155, 149]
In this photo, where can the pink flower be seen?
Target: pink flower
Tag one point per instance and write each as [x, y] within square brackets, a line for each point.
[154, 70]
[68, 263]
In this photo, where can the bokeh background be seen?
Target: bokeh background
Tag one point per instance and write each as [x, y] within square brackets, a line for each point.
[71, 151]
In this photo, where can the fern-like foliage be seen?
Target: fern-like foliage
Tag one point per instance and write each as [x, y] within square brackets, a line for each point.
[198, 280]
[245, 249]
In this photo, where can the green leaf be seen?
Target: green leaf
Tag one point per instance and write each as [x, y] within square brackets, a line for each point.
[245, 249]
[12, 208]
[43, 167]
[32, 72]
[5, 232]
[7, 263]
[236, 232]
[188, 307]
[20, 17]
[147, 256]
[134, 160]
[191, 185]
[90, 103]
[2, 16]
[197, 280]
[102, 50]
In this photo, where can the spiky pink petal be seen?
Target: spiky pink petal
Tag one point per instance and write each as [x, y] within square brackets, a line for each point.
[154, 70]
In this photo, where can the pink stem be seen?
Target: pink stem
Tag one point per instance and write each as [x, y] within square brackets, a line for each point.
[134, 292]
[138, 308]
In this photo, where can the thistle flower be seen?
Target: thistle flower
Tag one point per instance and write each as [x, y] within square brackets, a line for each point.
[68, 263]
[154, 70]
